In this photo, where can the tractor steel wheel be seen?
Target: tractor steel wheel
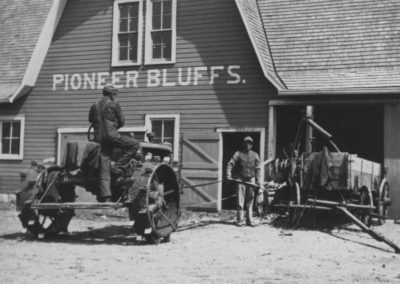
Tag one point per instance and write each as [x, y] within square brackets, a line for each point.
[45, 225]
[162, 203]
[49, 222]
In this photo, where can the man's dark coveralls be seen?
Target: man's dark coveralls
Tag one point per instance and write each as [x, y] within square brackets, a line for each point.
[107, 117]
[246, 164]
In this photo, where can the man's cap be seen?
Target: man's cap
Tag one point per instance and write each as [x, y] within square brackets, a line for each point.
[109, 89]
[248, 139]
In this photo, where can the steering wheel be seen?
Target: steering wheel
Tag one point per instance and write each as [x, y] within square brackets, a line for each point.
[90, 133]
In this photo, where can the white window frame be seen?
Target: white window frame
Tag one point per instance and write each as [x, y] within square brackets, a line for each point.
[115, 42]
[148, 42]
[19, 156]
[176, 117]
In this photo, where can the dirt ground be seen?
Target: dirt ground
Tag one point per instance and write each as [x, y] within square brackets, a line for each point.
[206, 248]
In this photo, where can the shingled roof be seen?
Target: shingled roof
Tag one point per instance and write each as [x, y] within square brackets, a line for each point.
[22, 41]
[325, 45]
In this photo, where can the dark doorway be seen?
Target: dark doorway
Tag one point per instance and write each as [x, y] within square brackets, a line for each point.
[355, 129]
[233, 141]
[288, 119]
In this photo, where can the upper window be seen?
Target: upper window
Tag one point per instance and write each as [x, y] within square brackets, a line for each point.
[127, 33]
[160, 31]
[12, 137]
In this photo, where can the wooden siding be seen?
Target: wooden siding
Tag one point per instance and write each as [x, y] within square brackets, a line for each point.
[209, 33]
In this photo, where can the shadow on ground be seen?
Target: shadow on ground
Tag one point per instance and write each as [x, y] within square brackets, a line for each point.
[226, 221]
[332, 234]
[112, 234]
[116, 234]
[325, 221]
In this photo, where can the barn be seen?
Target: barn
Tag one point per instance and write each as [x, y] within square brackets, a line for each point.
[202, 75]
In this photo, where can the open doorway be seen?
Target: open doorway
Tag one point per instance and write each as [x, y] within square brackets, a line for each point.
[231, 142]
[288, 119]
[356, 129]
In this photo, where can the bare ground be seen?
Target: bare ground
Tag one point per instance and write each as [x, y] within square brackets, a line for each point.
[206, 248]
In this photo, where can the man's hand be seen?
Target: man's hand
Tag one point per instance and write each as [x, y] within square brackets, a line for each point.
[260, 196]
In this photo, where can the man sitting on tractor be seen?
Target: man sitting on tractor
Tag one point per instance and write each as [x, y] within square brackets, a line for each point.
[106, 117]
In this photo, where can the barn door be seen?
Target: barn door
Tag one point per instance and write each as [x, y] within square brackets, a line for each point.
[199, 160]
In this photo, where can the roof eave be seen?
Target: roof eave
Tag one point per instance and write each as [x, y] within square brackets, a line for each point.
[344, 91]
[276, 82]
[20, 92]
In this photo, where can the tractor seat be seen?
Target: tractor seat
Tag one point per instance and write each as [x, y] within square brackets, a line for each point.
[82, 155]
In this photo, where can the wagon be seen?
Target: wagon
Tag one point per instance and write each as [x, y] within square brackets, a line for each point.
[151, 194]
[323, 179]
[329, 180]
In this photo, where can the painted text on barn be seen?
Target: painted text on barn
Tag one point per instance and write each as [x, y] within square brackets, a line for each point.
[191, 76]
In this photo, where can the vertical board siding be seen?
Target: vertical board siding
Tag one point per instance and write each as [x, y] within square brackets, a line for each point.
[209, 33]
[392, 156]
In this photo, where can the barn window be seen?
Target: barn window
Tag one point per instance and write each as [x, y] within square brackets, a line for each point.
[127, 33]
[166, 129]
[160, 31]
[12, 137]
[163, 129]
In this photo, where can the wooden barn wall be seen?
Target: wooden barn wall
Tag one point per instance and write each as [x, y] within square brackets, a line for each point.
[9, 169]
[392, 155]
[209, 33]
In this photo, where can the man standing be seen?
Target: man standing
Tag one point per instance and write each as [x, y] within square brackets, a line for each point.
[106, 117]
[246, 166]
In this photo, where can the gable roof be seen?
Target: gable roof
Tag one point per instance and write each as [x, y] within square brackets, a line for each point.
[325, 45]
[27, 28]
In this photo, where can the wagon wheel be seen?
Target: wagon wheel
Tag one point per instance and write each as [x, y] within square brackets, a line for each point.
[162, 202]
[383, 202]
[295, 213]
[49, 222]
[365, 199]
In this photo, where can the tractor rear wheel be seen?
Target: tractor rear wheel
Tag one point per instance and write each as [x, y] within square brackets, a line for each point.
[162, 204]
